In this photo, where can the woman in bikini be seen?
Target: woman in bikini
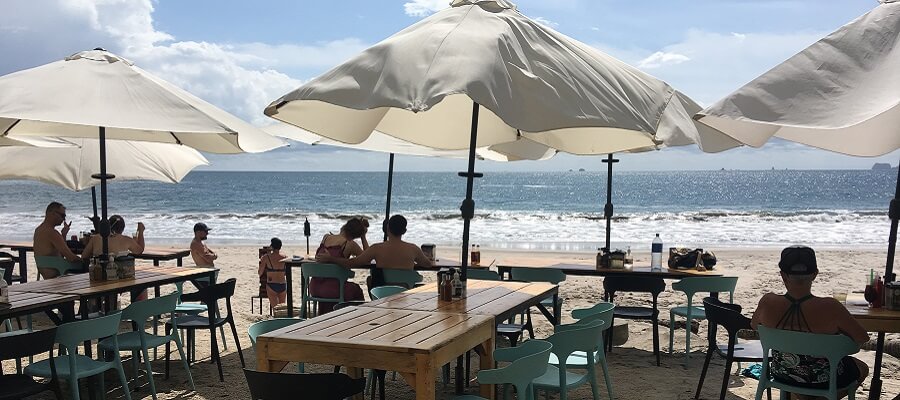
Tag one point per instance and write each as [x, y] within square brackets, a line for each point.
[342, 246]
[799, 310]
[271, 266]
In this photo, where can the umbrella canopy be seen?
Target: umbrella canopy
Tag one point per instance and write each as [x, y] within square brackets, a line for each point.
[35, 142]
[533, 82]
[90, 89]
[840, 94]
[71, 167]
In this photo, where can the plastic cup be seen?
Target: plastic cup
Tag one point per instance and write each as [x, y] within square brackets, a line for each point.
[840, 295]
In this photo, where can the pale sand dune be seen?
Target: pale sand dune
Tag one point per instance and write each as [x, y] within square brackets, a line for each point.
[632, 368]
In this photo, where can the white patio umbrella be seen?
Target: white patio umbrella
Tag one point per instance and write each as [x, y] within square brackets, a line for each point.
[420, 84]
[97, 94]
[840, 94]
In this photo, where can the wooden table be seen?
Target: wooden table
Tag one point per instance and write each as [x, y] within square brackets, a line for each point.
[22, 248]
[25, 303]
[159, 254]
[413, 343]
[499, 299]
[505, 267]
[878, 320]
[290, 263]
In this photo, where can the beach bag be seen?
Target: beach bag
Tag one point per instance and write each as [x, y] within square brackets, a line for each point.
[685, 258]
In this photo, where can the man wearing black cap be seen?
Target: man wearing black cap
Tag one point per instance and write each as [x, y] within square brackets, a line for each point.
[203, 256]
[799, 310]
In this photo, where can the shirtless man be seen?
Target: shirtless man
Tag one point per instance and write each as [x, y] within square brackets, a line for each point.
[203, 256]
[799, 310]
[392, 254]
[50, 242]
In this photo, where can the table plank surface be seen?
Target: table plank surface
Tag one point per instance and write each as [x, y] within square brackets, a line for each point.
[873, 319]
[81, 285]
[588, 268]
[22, 303]
[498, 299]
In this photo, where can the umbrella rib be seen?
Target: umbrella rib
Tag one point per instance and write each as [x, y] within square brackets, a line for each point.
[440, 46]
[13, 125]
[177, 140]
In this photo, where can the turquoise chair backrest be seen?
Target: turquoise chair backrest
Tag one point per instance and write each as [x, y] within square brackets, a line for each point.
[483, 274]
[270, 325]
[600, 312]
[551, 275]
[70, 335]
[832, 347]
[61, 265]
[334, 271]
[142, 311]
[406, 277]
[529, 361]
[570, 338]
[706, 284]
[385, 291]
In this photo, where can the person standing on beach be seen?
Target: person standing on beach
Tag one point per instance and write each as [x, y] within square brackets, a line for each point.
[48, 242]
[202, 255]
[799, 310]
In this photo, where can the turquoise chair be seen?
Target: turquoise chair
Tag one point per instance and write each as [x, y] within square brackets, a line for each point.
[71, 366]
[61, 265]
[566, 340]
[482, 274]
[139, 341]
[402, 277]
[690, 287]
[269, 325]
[385, 291]
[528, 362]
[832, 347]
[9, 331]
[328, 271]
[549, 275]
[579, 360]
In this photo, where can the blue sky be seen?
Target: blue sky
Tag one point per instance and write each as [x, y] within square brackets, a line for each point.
[240, 55]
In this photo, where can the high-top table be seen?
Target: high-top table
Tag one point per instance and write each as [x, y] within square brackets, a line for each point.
[505, 266]
[22, 248]
[413, 343]
[880, 320]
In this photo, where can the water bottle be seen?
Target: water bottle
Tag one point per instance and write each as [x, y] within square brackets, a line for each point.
[656, 254]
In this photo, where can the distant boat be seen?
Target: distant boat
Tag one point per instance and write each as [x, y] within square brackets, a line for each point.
[580, 169]
[881, 166]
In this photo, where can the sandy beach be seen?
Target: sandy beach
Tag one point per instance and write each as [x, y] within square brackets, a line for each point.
[631, 365]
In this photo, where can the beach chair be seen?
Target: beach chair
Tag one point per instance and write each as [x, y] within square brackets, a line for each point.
[261, 327]
[21, 345]
[566, 340]
[70, 366]
[690, 311]
[578, 360]
[139, 341]
[279, 386]
[633, 284]
[327, 271]
[56, 263]
[209, 295]
[728, 316]
[527, 362]
[402, 277]
[832, 347]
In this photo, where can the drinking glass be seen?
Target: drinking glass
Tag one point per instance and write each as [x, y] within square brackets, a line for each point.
[870, 294]
[840, 295]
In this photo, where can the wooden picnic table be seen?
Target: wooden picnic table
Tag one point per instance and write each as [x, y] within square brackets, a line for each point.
[880, 320]
[25, 303]
[156, 254]
[413, 343]
[499, 299]
[506, 265]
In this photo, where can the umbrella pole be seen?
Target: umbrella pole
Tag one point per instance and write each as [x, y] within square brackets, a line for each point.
[608, 209]
[95, 220]
[468, 205]
[387, 203]
[894, 214]
[104, 221]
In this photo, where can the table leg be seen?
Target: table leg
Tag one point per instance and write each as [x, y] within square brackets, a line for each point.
[179, 262]
[83, 310]
[356, 373]
[155, 263]
[460, 379]
[23, 266]
[557, 310]
[875, 386]
[425, 377]
[290, 292]
[485, 362]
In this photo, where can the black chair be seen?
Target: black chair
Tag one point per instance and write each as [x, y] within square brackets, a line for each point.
[278, 386]
[728, 316]
[16, 347]
[209, 295]
[654, 286]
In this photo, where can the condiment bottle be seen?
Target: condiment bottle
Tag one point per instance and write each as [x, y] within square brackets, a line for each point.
[476, 255]
[599, 258]
[879, 291]
[457, 285]
[445, 290]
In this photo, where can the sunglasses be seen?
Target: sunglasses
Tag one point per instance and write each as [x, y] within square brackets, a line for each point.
[61, 214]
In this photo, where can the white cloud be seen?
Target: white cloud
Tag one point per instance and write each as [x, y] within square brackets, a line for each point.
[660, 58]
[545, 21]
[423, 8]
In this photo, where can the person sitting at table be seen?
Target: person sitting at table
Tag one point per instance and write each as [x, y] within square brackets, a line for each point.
[392, 254]
[799, 310]
[271, 269]
[51, 253]
[119, 243]
[339, 248]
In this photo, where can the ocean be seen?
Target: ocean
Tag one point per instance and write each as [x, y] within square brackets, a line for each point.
[514, 210]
